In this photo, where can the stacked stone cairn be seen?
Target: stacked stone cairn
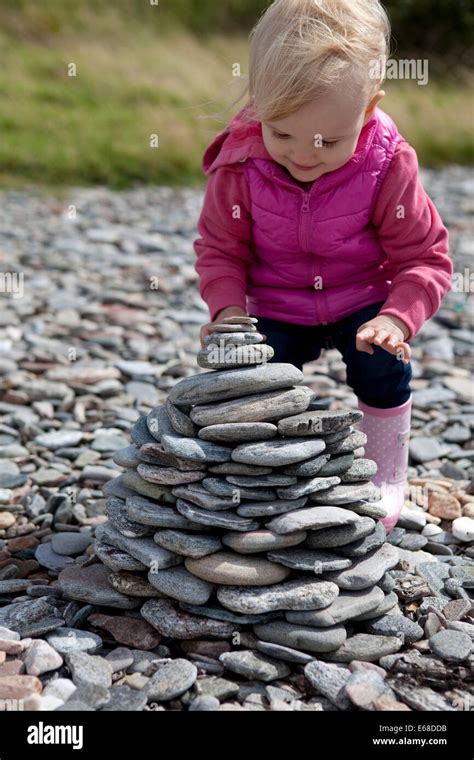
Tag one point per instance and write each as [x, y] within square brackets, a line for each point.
[246, 509]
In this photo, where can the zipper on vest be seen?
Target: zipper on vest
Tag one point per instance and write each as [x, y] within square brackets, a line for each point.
[305, 222]
[304, 240]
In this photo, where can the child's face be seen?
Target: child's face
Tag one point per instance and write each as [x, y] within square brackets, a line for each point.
[319, 138]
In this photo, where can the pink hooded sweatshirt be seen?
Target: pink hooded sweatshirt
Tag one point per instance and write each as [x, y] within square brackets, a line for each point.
[315, 253]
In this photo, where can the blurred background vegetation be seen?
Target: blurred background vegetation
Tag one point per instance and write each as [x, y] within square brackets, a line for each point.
[166, 69]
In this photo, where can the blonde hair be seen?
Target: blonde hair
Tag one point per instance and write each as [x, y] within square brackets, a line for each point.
[301, 49]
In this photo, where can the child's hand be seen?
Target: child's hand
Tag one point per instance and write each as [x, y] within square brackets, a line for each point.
[387, 332]
[230, 311]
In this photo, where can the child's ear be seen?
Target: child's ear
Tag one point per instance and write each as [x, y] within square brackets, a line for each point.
[369, 111]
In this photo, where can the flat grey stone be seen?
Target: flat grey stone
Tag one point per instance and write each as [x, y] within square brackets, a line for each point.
[427, 398]
[132, 584]
[120, 658]
[366, 571]
[171, 679]
[14, 586]
[227, 520]
[261, 481]
[168, 475]
[219, 613]
[338, 435]
[279, 652]
[314, 518]
[221, 688]
[337, 464]
[360, 469]
[238, 431]
[318, 421]
[368, 508]
[269, 508]
[345, 494]
[260, 407]
[197, 494]
[362, 546]
[180, 584]
[32, 617]
[175, 623]
[396, 625]
[67, 640]
[143, 549]
[48, 558]
[364, 687]
[307, 486]
[253, 665]
[235, 338]
[291, 595]
[115, 559]
[425, 448]
[354, 441]
[140, 433]
[125, 699]
[346, 606]
[422, 698]
[457, 609]
[180, 421]
[215, 386]
[277, 453]
[452, 646]
[309, 560]
[330, 681]
[118, 517]
[70, 544]
[187, 544]
[107, 440]
[90, 584]
[236, 468]
[387, 605]
[309, 467]
[154, 453]
[155, 515]
[118, 488]
[204, 703]
[302, 637]
[234, 569]
[222, 487]
[59, 439]
[365, 647]
[127, 457]
[228, 355]
[237, 323]
[137, 485]
[412, 542]
[260, 541]
[183, 447]
[87, 670]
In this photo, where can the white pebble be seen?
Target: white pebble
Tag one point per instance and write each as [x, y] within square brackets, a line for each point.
[463, 528]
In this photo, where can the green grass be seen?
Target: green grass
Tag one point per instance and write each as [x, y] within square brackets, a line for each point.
[133, 82]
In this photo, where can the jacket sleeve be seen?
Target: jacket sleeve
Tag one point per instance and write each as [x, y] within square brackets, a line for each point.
[415, 242]
[224, 248]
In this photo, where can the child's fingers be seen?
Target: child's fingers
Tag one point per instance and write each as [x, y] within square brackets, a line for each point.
[393, 341]
[366, 333]
[381, 337]
[404, 351]
[363, 339]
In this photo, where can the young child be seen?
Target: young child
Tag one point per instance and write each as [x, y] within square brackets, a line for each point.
[315, 220]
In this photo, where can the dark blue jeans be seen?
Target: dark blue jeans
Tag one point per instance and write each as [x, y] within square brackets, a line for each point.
[378, 379]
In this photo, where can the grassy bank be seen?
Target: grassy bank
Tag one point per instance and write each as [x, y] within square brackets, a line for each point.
[134, 81]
